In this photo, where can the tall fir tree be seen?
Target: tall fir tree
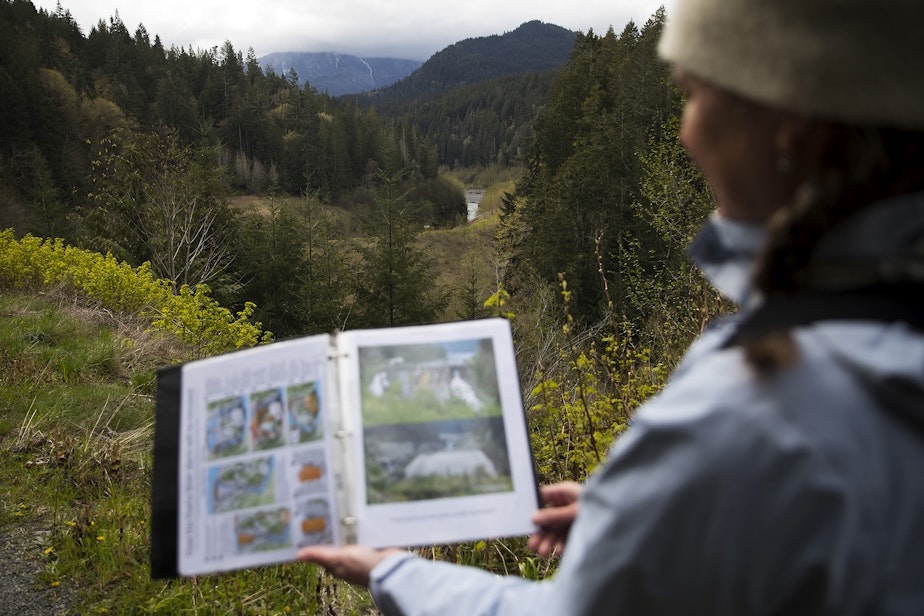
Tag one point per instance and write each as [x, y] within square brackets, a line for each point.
[397, 286]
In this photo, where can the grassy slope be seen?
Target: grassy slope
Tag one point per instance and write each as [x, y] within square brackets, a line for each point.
[464, 258]
[76, 389]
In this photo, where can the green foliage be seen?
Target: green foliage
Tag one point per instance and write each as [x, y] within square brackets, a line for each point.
[160, 202]
[198, 319]
[497, 304]
[585, 401]
[585, 170]
[664, 291]
[396, 287]
[468, 292]
[274, 263]
[191, 314]
[75, 462]
[298, 266]
[443, 199]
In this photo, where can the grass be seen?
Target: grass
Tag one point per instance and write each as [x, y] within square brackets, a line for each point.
[464, 264]
[76, 390]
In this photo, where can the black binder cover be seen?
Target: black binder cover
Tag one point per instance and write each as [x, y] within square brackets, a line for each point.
[164, 495]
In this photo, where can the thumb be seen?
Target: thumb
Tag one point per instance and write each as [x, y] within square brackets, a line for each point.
[320, 554]
[551, 517]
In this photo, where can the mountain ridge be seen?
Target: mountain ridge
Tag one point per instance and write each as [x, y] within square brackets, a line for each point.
[338, 74]
[534, 46]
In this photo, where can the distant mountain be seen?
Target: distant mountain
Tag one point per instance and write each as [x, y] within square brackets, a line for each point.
[339, 74]
[476, 100]
[533, 47]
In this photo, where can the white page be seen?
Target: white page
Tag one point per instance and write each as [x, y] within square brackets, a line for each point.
[436, 460]
[256, 480]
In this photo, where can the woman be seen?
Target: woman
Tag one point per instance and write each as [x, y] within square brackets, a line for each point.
[778, 471]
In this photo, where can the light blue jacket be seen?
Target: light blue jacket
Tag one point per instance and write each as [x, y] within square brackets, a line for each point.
[737, 495]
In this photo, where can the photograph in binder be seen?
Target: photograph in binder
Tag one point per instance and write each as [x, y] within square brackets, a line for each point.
[241, 485]
[305, 422]
[266, 425]
[432, 421]
[226, 431]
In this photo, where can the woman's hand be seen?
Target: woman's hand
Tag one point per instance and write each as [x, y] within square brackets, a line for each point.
[555, 518]
[352, 563]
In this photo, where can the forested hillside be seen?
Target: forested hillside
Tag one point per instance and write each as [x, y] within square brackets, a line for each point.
[481, 124]
[533, 47]
[108, 140]
[476, 100]
[609, 189]
[63, 92]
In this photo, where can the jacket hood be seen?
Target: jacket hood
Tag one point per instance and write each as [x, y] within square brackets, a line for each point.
[883, 243]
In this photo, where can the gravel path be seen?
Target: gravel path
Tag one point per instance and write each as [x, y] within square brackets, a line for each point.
[21, 593]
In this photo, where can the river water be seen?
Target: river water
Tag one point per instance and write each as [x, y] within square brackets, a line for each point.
[473, 198]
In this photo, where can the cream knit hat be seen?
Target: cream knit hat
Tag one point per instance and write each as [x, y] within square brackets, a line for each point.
[854, 61]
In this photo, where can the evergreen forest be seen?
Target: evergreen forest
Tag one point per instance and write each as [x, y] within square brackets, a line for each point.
[112, 142]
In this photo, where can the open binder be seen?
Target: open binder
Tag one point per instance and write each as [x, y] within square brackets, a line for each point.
[389, 437]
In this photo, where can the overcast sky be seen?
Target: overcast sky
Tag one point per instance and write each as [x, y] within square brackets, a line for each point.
[414, 29]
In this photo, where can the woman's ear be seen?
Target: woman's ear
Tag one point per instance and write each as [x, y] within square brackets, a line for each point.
[791, 130]
[799, 142]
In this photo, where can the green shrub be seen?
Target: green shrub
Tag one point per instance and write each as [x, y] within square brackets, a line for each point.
[195, 317]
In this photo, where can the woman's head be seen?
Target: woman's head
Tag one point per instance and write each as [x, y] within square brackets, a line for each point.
[758, 158]
[741, 147]
[855, 62]
[800, 112]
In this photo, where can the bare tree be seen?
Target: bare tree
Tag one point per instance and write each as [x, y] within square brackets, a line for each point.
[161, 202]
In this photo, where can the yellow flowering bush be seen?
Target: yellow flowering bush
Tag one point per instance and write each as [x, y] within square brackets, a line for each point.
[586, 400]
[191, 314]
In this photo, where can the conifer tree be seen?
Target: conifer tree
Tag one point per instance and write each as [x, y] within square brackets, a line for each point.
[272, 264]
[331, 269]
[397, 286]
[662, 284]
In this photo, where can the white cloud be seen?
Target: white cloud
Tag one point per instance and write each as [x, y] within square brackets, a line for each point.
[399, 28]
